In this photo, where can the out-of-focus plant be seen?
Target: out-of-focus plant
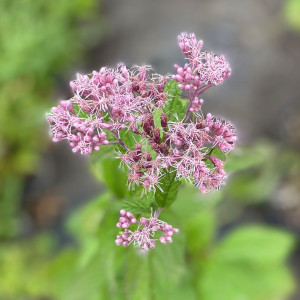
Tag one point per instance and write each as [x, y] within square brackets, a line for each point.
[246, 262]
[267, 164]
[292, 13]
[38, 40]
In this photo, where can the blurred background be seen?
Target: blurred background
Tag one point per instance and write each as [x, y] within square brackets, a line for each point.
[57, 217]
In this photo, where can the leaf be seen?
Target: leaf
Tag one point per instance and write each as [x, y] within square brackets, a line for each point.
[98, 277]
[107, 168]
[191, 201]
[244, 158]
[80, 112]
[200, 230]
[248, 264]
[174, 106]
[292, 13]
[219, 154]
[138, 201]
[169, 188]
[237, 281]
[256, 244]
[129, 138]
[114, 177]
[156, 117]
[154, 275]
[84, 222]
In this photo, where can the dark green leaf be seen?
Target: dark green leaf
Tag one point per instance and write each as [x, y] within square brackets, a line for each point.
[169, 188]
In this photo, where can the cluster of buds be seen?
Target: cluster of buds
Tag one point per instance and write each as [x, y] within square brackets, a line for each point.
[144, 234]
[105, 102]
[194, 143]
[112, 103]
[203, 68]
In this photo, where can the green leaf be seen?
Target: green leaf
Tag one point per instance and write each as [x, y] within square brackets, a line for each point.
[169, 188]
[114, 177]
[238, 281]
[256, 244]
[248, 264]
[219, 154]
[155, 275]
[129, 138]
[190, 201]
[156, 117]
[80, 112]
[139, 201]
[292, 13]
[244, 158]
[174, 106]
[200, 230]
[85, 221]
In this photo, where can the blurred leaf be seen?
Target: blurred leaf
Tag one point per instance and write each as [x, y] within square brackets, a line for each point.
[292, 13]
[190, 201]
[107, 169]
[154, 275]
[200, 231]
[10, 191]
[256, 244]
[248, 264]
[85, 221]
[247, 157]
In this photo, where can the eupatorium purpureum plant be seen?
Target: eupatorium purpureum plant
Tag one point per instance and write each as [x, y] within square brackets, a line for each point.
[157, 128]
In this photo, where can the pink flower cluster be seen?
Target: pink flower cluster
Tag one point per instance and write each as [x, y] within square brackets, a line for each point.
[202, 69]
[144, 234]
[114, 103]
[193, 142]
[106, 101]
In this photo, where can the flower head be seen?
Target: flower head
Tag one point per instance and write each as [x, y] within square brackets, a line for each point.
[146, 233]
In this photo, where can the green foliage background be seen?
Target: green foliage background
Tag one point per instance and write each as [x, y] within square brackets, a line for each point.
[38, 40]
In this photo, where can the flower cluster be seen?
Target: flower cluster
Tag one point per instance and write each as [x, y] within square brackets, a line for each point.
[204, 68]
[111, 104]
[110, 100]
[144, 234]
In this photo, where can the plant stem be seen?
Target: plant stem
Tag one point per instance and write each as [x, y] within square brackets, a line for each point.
[158, 212]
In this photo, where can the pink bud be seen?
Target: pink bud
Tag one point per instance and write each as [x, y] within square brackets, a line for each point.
[162, 239]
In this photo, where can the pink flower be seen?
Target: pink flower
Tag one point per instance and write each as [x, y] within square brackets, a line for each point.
[144, 236]
[112, 102]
